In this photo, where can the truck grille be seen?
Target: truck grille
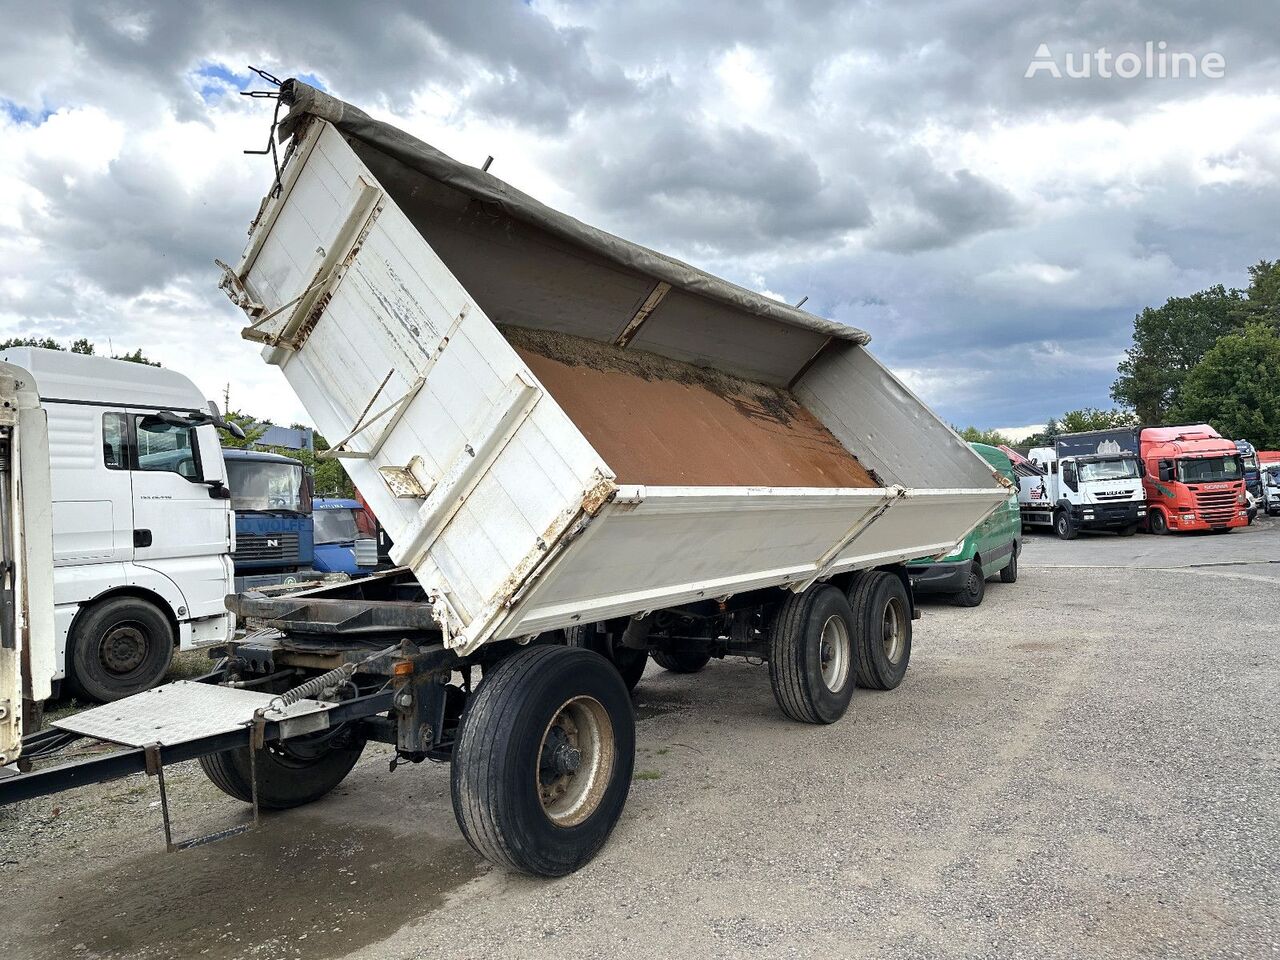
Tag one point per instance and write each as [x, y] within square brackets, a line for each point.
[276, 546]
[1216, 506]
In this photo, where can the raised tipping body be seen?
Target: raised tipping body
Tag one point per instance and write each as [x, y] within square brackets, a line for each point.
[585, 453]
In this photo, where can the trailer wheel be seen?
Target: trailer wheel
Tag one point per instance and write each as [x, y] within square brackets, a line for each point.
[811, 655]
[882, 616]
[542, 764]
[119, 647]
[975, 588]
[1009, 572]
[290, 772]
[1063, 526]
[629, 663]
[680, 661]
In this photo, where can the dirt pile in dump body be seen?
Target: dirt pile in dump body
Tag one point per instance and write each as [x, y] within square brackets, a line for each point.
[660, 421]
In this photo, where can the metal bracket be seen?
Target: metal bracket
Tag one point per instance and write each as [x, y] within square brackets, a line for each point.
[396, 410]
[155, 768]
[334, 261]
[894, 495]
[455, 485]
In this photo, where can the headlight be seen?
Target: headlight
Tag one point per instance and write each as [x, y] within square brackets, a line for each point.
[1188, 517]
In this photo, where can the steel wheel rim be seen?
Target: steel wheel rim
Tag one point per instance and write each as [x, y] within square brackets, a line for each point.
[123, 649]
[892, 635]
[835, 653]
[575, 761]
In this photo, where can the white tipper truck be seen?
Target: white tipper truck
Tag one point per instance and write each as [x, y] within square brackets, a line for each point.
[1085, 481]
[586, 454]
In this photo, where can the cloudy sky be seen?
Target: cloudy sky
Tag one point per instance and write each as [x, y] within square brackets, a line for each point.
[891, 161]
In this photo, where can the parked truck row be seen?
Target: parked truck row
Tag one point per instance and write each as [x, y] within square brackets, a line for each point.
[1160, 479]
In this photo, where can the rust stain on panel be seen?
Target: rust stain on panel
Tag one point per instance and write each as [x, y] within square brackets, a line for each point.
[663, 422]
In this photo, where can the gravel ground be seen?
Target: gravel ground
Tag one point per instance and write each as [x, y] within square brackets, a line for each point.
[1086, 766]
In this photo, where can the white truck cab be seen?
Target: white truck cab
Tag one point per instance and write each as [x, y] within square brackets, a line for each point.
[142, 522]
[1086, 481]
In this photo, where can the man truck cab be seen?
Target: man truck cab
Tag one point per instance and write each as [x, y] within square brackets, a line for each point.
[142, 532]
[271, 496]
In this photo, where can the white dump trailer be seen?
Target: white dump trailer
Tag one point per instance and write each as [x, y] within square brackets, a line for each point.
[586, 454]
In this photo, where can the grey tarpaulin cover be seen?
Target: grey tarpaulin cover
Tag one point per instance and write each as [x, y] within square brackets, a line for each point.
[303, 99]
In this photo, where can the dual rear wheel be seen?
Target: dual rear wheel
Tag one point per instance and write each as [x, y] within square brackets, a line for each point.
[825, 643]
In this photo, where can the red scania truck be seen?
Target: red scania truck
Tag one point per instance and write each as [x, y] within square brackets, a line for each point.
[1194, 479]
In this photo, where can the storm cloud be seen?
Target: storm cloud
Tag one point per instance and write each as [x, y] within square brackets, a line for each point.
[994, 233]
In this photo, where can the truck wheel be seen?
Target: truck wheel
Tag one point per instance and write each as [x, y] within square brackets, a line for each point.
[1009, 572]
[1063, 527]
[542, 764]
[629, 663]
[290, 772]
[811, 656]
[1158, 522]
[118, 648]
[1128, 531]
[975, 588]
[680, 661]
[882, 639]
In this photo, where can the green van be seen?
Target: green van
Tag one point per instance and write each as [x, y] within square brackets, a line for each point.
[991, 548]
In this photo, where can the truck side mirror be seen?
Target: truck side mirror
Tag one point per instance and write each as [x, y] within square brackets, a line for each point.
[1166, 469]
[1142, 469]
[1069, 476]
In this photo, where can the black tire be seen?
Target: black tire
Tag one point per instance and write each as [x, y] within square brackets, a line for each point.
[629, 663]
[882, 620]
[975, 588]
[118, 648]
[1063, 527]
[680, 661]
[290, 772]
[1128, 531]
[1158, 523]
[811, 665]
[1009, 572]
[503, 798]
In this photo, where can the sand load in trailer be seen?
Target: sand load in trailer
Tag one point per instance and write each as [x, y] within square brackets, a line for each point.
[557, 426]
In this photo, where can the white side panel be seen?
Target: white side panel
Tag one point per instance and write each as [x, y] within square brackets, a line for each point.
[503, 470]
[887, 426]
[655, 547]
[25, 658]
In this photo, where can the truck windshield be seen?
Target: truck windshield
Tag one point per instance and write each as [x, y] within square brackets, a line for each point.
[1209, 469]
[335, 525]
[1123, 469]
[264, 487]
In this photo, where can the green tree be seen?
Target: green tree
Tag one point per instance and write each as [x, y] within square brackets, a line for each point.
[253, 430]
[974, 435]
[47, 343]
[1091, 418]
[1236, 387]
[1168, 341]
[81, 345]
[1263, 293]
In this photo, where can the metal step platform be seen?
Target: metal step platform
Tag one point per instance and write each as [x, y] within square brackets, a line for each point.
[186, 711]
